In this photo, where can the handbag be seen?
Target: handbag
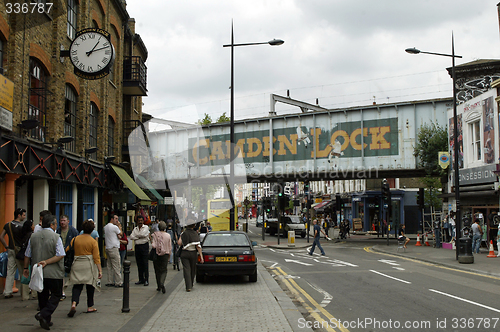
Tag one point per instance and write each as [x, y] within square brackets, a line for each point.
[19, 251]
[152, 254]
[36, 282]
[70, 256]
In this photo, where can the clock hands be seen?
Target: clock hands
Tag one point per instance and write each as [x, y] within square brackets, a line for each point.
[93, 48]
[101, 48]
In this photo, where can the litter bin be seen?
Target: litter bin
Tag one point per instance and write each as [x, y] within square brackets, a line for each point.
[465, 250]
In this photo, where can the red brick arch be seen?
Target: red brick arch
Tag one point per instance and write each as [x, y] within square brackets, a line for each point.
[116, 25]
[112, 114]
[95, 17]
[39, 53]
[73, 81]
[4, 29]
[95, 100]
[101, 5]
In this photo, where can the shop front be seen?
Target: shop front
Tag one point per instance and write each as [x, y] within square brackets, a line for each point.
[368, 212]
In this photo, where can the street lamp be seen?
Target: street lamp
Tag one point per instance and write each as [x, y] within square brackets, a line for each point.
[455, 132]
[274, 42]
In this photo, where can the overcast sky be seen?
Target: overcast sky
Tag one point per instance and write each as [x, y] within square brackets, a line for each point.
[343, 52]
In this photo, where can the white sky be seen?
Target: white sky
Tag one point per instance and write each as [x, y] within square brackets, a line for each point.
[344, 52]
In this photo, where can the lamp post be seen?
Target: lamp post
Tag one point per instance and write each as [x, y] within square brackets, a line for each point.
[455, 134]
[274, 42]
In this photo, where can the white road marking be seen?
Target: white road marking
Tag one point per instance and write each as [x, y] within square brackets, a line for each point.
[298, 262]
[341, 262]
[327, 298]
[398, 268]
[387, 276]
[465, 300]
[387, 261]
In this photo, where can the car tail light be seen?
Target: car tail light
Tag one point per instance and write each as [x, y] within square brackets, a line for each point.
[207, 258]
[246, 258]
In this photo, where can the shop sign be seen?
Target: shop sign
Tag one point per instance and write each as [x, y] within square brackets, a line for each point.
[477, 175]
[6, 102]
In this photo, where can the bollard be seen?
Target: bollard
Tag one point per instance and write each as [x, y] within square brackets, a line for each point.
[126, 285]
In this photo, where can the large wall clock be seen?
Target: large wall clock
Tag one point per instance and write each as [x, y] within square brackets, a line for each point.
[92, 53]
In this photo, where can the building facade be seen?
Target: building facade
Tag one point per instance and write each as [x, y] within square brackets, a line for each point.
[60, 132]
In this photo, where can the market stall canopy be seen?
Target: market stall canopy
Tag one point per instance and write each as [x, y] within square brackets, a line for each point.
[322, 205]
[131, 185]
[149, 186]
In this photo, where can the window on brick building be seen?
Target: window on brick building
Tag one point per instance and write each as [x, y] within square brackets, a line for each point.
[475, 135]
[37, 104]
[72, 18]
[93, 125]
[70, 117]
[111, 136]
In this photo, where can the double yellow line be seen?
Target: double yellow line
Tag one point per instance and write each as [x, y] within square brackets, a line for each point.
[300, 294]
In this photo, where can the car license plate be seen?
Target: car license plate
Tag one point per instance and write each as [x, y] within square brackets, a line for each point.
[225, 259]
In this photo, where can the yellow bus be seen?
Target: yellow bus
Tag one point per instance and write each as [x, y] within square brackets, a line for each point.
[218, 214]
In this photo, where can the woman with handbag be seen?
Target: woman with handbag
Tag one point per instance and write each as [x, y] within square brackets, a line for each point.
[190, 243]
[162, 249]
[86, 268]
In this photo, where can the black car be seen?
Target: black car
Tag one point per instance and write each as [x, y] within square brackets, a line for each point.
[227, 253]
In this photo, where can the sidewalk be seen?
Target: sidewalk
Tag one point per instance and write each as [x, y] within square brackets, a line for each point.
[223, 306]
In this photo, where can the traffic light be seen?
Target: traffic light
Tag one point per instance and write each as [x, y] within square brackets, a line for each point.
[386, 192]
[420, 198]
[266, 201]
[306, 187]
[203, 204]
[281, 201]
[338, 203]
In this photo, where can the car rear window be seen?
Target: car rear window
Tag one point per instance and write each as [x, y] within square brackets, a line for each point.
[226, 240]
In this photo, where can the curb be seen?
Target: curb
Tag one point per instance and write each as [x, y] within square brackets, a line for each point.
[289, 309]
[459, 267]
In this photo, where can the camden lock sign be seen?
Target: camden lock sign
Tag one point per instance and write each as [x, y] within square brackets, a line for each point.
[376, 138]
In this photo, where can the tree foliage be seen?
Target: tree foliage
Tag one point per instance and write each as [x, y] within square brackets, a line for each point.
[223, 118]
[205, 121]
[432, 192]
[431, 139]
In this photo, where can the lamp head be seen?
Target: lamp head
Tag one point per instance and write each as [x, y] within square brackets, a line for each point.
[91, 150]
[65, 139]
[412, 50]
[276, 42]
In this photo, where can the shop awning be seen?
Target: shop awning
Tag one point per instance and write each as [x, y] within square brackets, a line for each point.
[150, 187]
[322, 204]
[131, 185]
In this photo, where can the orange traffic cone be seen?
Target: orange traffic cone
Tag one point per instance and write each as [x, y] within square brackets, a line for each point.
[426, 240]
[418, 244]
[492, 252]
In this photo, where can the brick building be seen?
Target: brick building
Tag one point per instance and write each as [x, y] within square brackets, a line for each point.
[60, 132]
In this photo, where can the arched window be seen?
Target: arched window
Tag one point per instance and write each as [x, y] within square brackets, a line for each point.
[111, 136]
[72, 18]
[93, 125]
[70, 117]
[37, 105]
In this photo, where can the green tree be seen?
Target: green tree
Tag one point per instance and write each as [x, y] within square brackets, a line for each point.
[432, 192]
[205, 121]
[431, 139]
[223, 118]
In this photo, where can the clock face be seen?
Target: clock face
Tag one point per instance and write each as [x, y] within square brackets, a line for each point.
[91, 52]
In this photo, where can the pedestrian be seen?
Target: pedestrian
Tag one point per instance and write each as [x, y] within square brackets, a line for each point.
[14, 229]
[95, 234]
[67, 233]
[162, 243]
[209, 227]
[123, 245]
[347, 225]
[437, 233]
[402, 235]
[317, 230]
[446, 228]
[477, 234]
[46, 249]
[452, 226]
[326, 226]
[190, 242]
[493, 225]
[203, 231]
[86, 268]
[173, 240]
[140, 234]
[38, 227]
[112, 234]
